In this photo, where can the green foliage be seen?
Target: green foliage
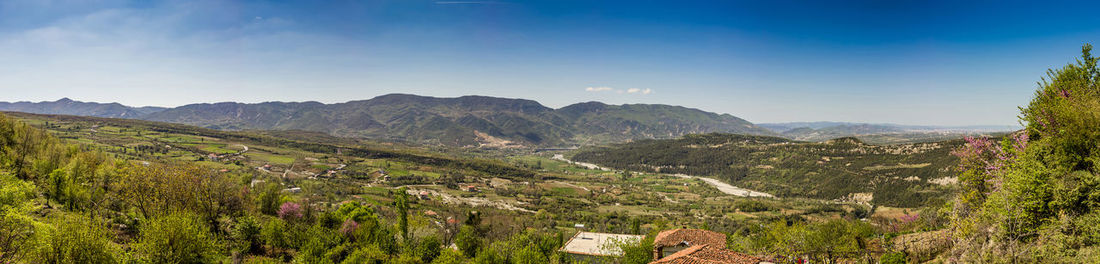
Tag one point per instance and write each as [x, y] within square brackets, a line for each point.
[823, 170]
[270, 198]
[822, 241]
[401, 205]
[636, 253]
[426, 249]
[318, 242]
[450, 256]
[74, 240]
[529, 255]
[177, 238]
[367, 254]
[247, 232]
[467, 240]
[893, 258]
[1035, 203]
[16, 225]
[276, 233]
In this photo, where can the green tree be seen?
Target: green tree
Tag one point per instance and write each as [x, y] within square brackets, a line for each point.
[450, 256]
[468, 241]
[74, 239]
[401, 205]
[177, 238]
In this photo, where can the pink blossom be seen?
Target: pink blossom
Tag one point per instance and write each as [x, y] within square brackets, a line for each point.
[349, 226]
[290, 210]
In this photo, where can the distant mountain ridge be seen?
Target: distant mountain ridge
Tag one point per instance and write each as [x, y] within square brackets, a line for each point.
[67, 106]
[459, 121]
[877, 133]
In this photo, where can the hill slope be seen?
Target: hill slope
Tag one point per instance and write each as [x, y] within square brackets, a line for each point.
[898, 175]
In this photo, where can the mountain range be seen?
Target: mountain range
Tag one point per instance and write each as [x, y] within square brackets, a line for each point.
[461, 121]
[490, 121]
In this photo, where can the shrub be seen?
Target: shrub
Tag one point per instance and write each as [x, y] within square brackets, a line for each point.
[275, 234]
[177, 238]
[450, 256]
[75, 240]
[467, 241]
[893, 258]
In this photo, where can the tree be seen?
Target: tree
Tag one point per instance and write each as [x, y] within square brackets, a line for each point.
[177, 238]
[468, 241]
[450, 256]
[16, 225]
[401, 205]
[75, 240]
[269, 199]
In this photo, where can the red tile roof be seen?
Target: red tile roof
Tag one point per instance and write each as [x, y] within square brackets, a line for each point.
[690, 237]
[706, 254]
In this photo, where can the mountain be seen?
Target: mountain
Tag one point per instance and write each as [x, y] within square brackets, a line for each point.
[67, 106]
[904, 175]
[878, 133]
[463, 121]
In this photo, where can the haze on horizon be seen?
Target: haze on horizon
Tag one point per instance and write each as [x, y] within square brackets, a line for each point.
[905, 62]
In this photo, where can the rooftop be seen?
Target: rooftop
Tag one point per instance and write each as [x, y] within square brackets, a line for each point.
[597, 244]
[689, 237]
[706, 254]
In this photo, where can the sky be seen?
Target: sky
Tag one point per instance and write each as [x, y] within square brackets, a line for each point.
[905, 62]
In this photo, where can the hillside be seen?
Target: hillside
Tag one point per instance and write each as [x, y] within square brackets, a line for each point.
[898, 175]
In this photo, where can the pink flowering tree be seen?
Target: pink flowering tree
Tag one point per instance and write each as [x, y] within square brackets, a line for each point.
[349, 227]
[982, 164]
[290, 211]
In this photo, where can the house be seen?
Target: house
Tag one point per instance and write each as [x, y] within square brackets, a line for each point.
[425, 195]
[430, 213]
[707, 254]
[588, 247]
[293, 190]
[470, 188]
[671, 241]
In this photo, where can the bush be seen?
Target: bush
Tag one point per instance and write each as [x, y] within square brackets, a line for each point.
[75, 240]
[367, 254]
[177, 238]
[752, 206]
[450, 256]
[468, 241]
[275, 233]
[893, 258]
[247, 232]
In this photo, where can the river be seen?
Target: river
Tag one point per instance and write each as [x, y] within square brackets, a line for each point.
[720, 185]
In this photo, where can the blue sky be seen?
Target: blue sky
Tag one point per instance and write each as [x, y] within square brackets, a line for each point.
[908, 62]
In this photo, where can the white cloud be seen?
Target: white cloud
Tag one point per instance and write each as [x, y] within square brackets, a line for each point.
[598, 89]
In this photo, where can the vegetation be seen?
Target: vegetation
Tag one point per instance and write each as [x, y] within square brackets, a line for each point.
[897, 175]
[1035, 196]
